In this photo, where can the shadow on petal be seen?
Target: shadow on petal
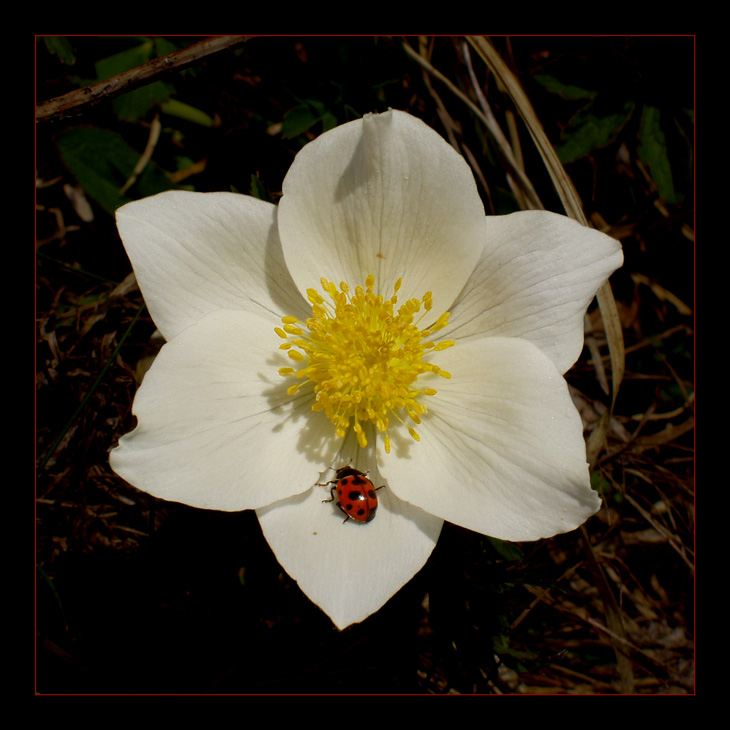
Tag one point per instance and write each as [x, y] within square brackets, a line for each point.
[316, 437]
[279, 282]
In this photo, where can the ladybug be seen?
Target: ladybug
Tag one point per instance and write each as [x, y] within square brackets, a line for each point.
[355, 494]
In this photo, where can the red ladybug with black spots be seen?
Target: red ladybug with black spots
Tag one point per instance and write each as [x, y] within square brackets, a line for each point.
[355, 494]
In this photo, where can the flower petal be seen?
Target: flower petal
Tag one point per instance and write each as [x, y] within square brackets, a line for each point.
[349, 569]
[501, 448]
[387, 196]
[537, 275]
[194, 253]
[216, 428]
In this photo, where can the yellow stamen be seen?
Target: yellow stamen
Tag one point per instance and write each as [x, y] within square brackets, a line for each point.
[363, 356]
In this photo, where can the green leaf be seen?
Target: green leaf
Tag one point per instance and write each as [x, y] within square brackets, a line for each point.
[102, 162]
[303, 117]
[652, 152]
[587, 131]
[258, 190]
[123, 61]
[600, 484]
[298, 120]
[506, 550]
[60, 47]
[566, 91]
[180, 110]
[329, 121]
[129, 58]
[135, 104]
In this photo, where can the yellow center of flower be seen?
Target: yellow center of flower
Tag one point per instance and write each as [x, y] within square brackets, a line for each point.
[363, 357]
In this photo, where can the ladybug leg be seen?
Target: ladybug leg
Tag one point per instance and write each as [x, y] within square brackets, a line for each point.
[332, 499]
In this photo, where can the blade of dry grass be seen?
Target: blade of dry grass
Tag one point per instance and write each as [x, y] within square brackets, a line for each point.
[532, 199]
[611, 322]
[573, 207]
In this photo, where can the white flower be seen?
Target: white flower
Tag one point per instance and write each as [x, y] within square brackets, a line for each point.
[463, 417]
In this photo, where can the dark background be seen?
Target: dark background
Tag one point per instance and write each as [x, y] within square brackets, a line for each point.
[135, 595]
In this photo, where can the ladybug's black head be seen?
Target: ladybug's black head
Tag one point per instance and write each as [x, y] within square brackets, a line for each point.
[348, 471]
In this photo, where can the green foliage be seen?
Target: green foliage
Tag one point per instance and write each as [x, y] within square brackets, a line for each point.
[103, 162]
[506, 550]
[60, 47]
[600, 484]
[566, 91]
[653, 153]
[135, 104]
[512, 657]
[146, 50]
[589, 130]
[258, 190]
[612, 102]
[180, 110]
[305, 116]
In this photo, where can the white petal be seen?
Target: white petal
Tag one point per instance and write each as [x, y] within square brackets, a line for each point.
[387, 196]
[194, 253]
[216, 428]
[538, 273]
[349, 569]
[501, 449]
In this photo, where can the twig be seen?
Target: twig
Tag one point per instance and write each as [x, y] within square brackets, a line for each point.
[63, 106]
